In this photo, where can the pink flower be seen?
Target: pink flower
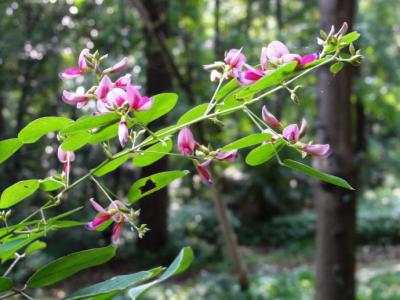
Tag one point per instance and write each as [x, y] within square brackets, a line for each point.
[118, 67]
[186, 141]
[269, 118]
[204, 174]
[74, 98]
[112, 212]
[321, 150]
[123, 132]
[276, 53]
[116, 97]
[123, 81]
[70, 73]
[235, 58]
[308, 58]
[230, 155]
[105, 86]
[101, 107]
[291, 133]
[136, 101]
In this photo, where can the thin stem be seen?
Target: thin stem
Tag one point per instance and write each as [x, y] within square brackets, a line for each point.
[14, 263]
[248, 113]
[102, 189]
[5, 296]
[211, 104]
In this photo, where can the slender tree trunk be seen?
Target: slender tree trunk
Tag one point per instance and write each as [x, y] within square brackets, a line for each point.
[154, 207]
[336, 207]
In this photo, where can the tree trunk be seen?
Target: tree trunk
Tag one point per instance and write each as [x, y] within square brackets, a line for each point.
[154, 207]
[336, 207]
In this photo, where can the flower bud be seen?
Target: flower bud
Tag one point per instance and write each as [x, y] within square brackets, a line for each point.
[269, 118]
[123, 132]
[291, 133]
[186, 141]
[321, 150]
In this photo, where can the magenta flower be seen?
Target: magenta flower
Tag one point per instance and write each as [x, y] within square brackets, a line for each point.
[74, 98]
[250, 75]
[112, 212]
[235, 58]
[118, 67]
[105, 86]
[321, 150]
[123, 81]
[229, 156]
[123, 132]
[70, 73]
[269, 118]
[186, 141]
[291, 133]
[204, 174]
[136, 101]
[116, 97]
[308, 58]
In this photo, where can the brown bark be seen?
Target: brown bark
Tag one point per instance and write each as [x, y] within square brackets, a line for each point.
[155, 206]
[336, 207]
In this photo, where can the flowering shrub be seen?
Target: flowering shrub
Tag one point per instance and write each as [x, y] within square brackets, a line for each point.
[122, 111]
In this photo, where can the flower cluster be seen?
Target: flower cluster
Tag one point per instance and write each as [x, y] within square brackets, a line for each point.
[187, 145]
[120, 96]
[293, 133]
[274, 55]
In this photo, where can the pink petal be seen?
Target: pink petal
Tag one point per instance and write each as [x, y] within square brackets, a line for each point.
[276, 49]
[291, 133]
[97, 206]
[264, 58]
[64, 156]
[70, 73]
[123, 133]
[145, 104]
[269, 118]
[116, 233]
[73, 98]
[104, 87]
[235, 58]
[98, 221]
[82, 61]
[133, 97]
[101, 107]
[321, 150]
[204, 174]
[123, 81]
[287, 58]
[117, 97]
[309, 58]
[119, 66]
[230, 155]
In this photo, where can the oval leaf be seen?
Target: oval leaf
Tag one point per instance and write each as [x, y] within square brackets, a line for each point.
[180, 264]
[150, 184]
[112, 165]
[152, 154]
[264, 153]
[35, 246]
[90, 122]
[40, 127]
[247, 141]
[349, 38]
[68, 265]
[115, 285]
[8, 148]
[18, 192]
[295, 165]
[5, 284]
[76, 141]
[50, 184]
[163, 103]
[192, 114]
[336, 67]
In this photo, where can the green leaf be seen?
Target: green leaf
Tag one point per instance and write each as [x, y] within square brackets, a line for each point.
[13, 245]
[5, 284]
[264, 153]
[90, 122]
[349, 38]
[76, 141]
[336, 67]
[163, 103]
[248, 141]
[18, 192]
[35, 246]
[192, 114]
[273, 78]
[68, 265]
[150, 184]
[152, 154]
[8, 148]
[180, 264]
[295, 165]
[112, 165]
[40, 127]
[50, 184]
[226, 89]
[115, 285]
